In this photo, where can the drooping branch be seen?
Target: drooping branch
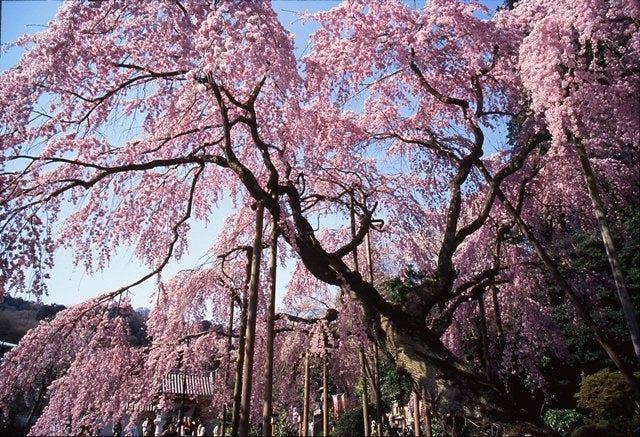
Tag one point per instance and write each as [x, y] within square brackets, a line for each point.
[105, 172]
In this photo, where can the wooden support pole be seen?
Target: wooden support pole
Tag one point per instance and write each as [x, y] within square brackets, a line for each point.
[628, 310]
[237, 388]
[252, 313]
[228, 358]
[375, 380]
[325, 399]
[416, 413]
[267, 402]
[365, 395]
[305, 400]
[428, 432]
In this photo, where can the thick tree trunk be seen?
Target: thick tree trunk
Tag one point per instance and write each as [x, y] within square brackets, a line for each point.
[250, 336]
[237, 388]
[454, 388]
[267, 406]
[612, 254]
[305, 399]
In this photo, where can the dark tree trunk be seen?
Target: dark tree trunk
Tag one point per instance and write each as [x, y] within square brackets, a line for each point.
[454, 388]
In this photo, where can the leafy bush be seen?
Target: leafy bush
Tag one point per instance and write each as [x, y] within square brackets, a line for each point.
[283, 427]
[349, 423]
[609, 399]
[563, 421]
[394, 386]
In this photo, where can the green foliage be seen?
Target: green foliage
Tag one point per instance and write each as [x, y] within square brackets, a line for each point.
[588, 259]
[398, 289]
[630, 249]
[394, 386]
[437, 427]
[563, 421]
[607, 397]
[282, 426]
[350, 423]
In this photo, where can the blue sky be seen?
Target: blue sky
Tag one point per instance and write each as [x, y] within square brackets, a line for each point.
[69, 285]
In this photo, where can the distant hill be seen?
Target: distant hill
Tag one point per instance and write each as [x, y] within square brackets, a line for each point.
[17, 316]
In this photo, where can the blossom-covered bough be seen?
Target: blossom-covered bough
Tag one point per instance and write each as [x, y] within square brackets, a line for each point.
[124, 121]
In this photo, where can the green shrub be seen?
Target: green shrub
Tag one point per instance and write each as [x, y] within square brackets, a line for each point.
[606, 395]
[563, 421]
[283, 427]
[350, 422]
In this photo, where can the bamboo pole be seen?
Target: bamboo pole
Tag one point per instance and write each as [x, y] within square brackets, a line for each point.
[363, 365]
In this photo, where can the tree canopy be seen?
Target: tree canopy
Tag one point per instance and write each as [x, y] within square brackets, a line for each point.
[423, 168]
